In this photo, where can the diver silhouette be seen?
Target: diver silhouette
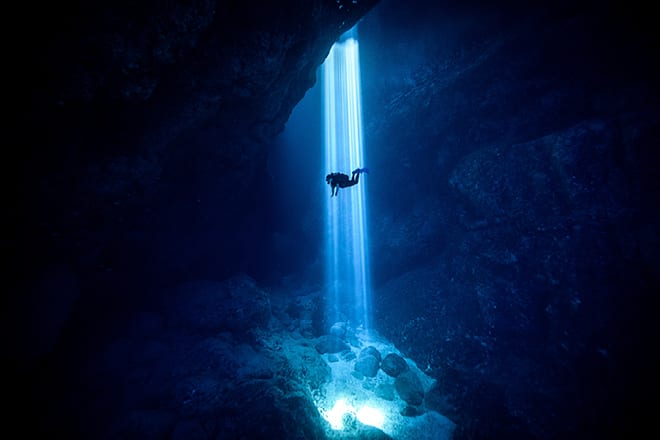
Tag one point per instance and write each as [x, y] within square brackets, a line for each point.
[341, 180]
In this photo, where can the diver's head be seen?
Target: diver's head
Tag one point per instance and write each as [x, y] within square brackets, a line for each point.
[328, 178]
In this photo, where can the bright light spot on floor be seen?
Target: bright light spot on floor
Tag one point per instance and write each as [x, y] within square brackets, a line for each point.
[371, 416]
[336, 415]
[367, 415]
[349, 403]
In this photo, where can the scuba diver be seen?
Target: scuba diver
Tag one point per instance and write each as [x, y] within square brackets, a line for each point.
[341, 180]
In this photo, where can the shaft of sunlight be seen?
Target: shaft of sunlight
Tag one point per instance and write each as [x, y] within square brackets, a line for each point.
[347, 265]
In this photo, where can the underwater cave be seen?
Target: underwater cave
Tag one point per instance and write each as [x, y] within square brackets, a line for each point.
[332, 219]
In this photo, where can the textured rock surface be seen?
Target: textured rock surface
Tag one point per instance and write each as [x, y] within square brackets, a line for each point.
[138, 164]
[511, 228]
[236, 305]
[141, 132]
[178, 380]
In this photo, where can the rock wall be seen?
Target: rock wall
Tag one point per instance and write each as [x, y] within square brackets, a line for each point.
[139, 138]
[512, 157]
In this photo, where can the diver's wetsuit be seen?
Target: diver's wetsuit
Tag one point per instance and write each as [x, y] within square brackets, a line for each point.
[341, 180]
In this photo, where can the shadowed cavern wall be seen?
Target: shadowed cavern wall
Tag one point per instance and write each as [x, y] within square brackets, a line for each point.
[140, 144]
[513, 218]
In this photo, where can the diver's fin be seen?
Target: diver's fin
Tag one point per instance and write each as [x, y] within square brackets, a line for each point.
[361, 170]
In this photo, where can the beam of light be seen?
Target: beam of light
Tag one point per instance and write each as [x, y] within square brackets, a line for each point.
[346, 217]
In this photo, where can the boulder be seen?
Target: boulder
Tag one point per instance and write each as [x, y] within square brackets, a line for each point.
[338, 329]
[393, 365]
[330, 344]
[410, 388]
[367, 365]
[371, 350]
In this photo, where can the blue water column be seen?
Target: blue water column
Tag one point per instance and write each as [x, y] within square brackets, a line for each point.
[347, 265]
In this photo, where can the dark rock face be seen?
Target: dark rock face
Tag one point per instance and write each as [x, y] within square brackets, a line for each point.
[139, 164]
[511, 225]
[236, 305]
[141, 129]
[166, 378]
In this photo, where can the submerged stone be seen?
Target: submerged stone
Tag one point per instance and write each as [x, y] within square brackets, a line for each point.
[371, 350]
[393, 365]
[410, 388]
[367, 365]
[338, 329]
[330, 344]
